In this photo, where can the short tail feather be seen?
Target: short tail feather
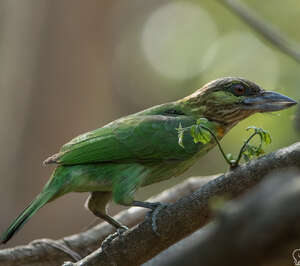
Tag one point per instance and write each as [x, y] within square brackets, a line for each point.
[25, 215]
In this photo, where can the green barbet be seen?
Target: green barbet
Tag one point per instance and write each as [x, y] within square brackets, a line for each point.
[112, 162]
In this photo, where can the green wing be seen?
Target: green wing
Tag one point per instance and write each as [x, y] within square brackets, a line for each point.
[130, 139]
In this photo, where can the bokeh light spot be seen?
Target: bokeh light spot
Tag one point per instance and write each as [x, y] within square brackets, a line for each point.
[251, 59]
[175, 39]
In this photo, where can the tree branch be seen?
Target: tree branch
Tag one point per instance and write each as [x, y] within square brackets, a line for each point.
[175, 222]
[189, 213]
[260, 229]
[264, 29]
[40, 252]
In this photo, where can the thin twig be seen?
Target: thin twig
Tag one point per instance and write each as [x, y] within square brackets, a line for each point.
[276, 38]
[236, 163]
[218, 143]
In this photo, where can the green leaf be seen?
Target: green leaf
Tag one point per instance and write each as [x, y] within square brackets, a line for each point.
[252, 151]
[202, 121]
[200, 134]
[180, 135]
[204, 136]
[230, 157]
[264, 134]
[246, 157]
[266, 137]
[194, 133]
[197, 131]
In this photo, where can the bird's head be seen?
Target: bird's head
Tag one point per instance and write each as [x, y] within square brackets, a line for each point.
[230, 100]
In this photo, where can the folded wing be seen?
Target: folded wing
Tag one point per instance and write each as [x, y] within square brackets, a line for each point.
[130, 139]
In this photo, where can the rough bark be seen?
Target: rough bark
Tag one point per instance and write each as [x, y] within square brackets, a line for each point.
[260, 229]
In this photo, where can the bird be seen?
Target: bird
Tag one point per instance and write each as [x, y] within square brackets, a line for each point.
[140, 149]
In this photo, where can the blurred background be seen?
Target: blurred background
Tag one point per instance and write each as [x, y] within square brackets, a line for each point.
[67, 67]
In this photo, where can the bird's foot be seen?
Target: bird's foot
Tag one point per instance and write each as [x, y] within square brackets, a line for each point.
[106, 242]
[153, 215]
[155, 207]
[57, 245]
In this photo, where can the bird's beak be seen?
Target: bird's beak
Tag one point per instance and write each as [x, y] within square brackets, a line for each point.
[268, 101]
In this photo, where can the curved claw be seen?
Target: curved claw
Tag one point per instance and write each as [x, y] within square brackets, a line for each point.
[153, 215]
[155, 207]
[106, 242]
[122, 229]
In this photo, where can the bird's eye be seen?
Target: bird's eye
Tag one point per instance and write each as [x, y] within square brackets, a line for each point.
[239, 90]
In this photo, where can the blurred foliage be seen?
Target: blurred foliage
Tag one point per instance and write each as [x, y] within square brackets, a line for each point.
[67, 68]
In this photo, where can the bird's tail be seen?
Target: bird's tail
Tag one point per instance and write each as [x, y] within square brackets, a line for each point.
[49, 192]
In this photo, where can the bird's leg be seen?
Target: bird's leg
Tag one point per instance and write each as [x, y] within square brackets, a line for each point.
[155, 207]
[119, 227]
[120, 230]
[109, 219]
[97, 203]
[125, 188]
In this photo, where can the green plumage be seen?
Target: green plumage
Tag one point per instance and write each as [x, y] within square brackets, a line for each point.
[130, 152]
[137, 150]
[130, 139]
